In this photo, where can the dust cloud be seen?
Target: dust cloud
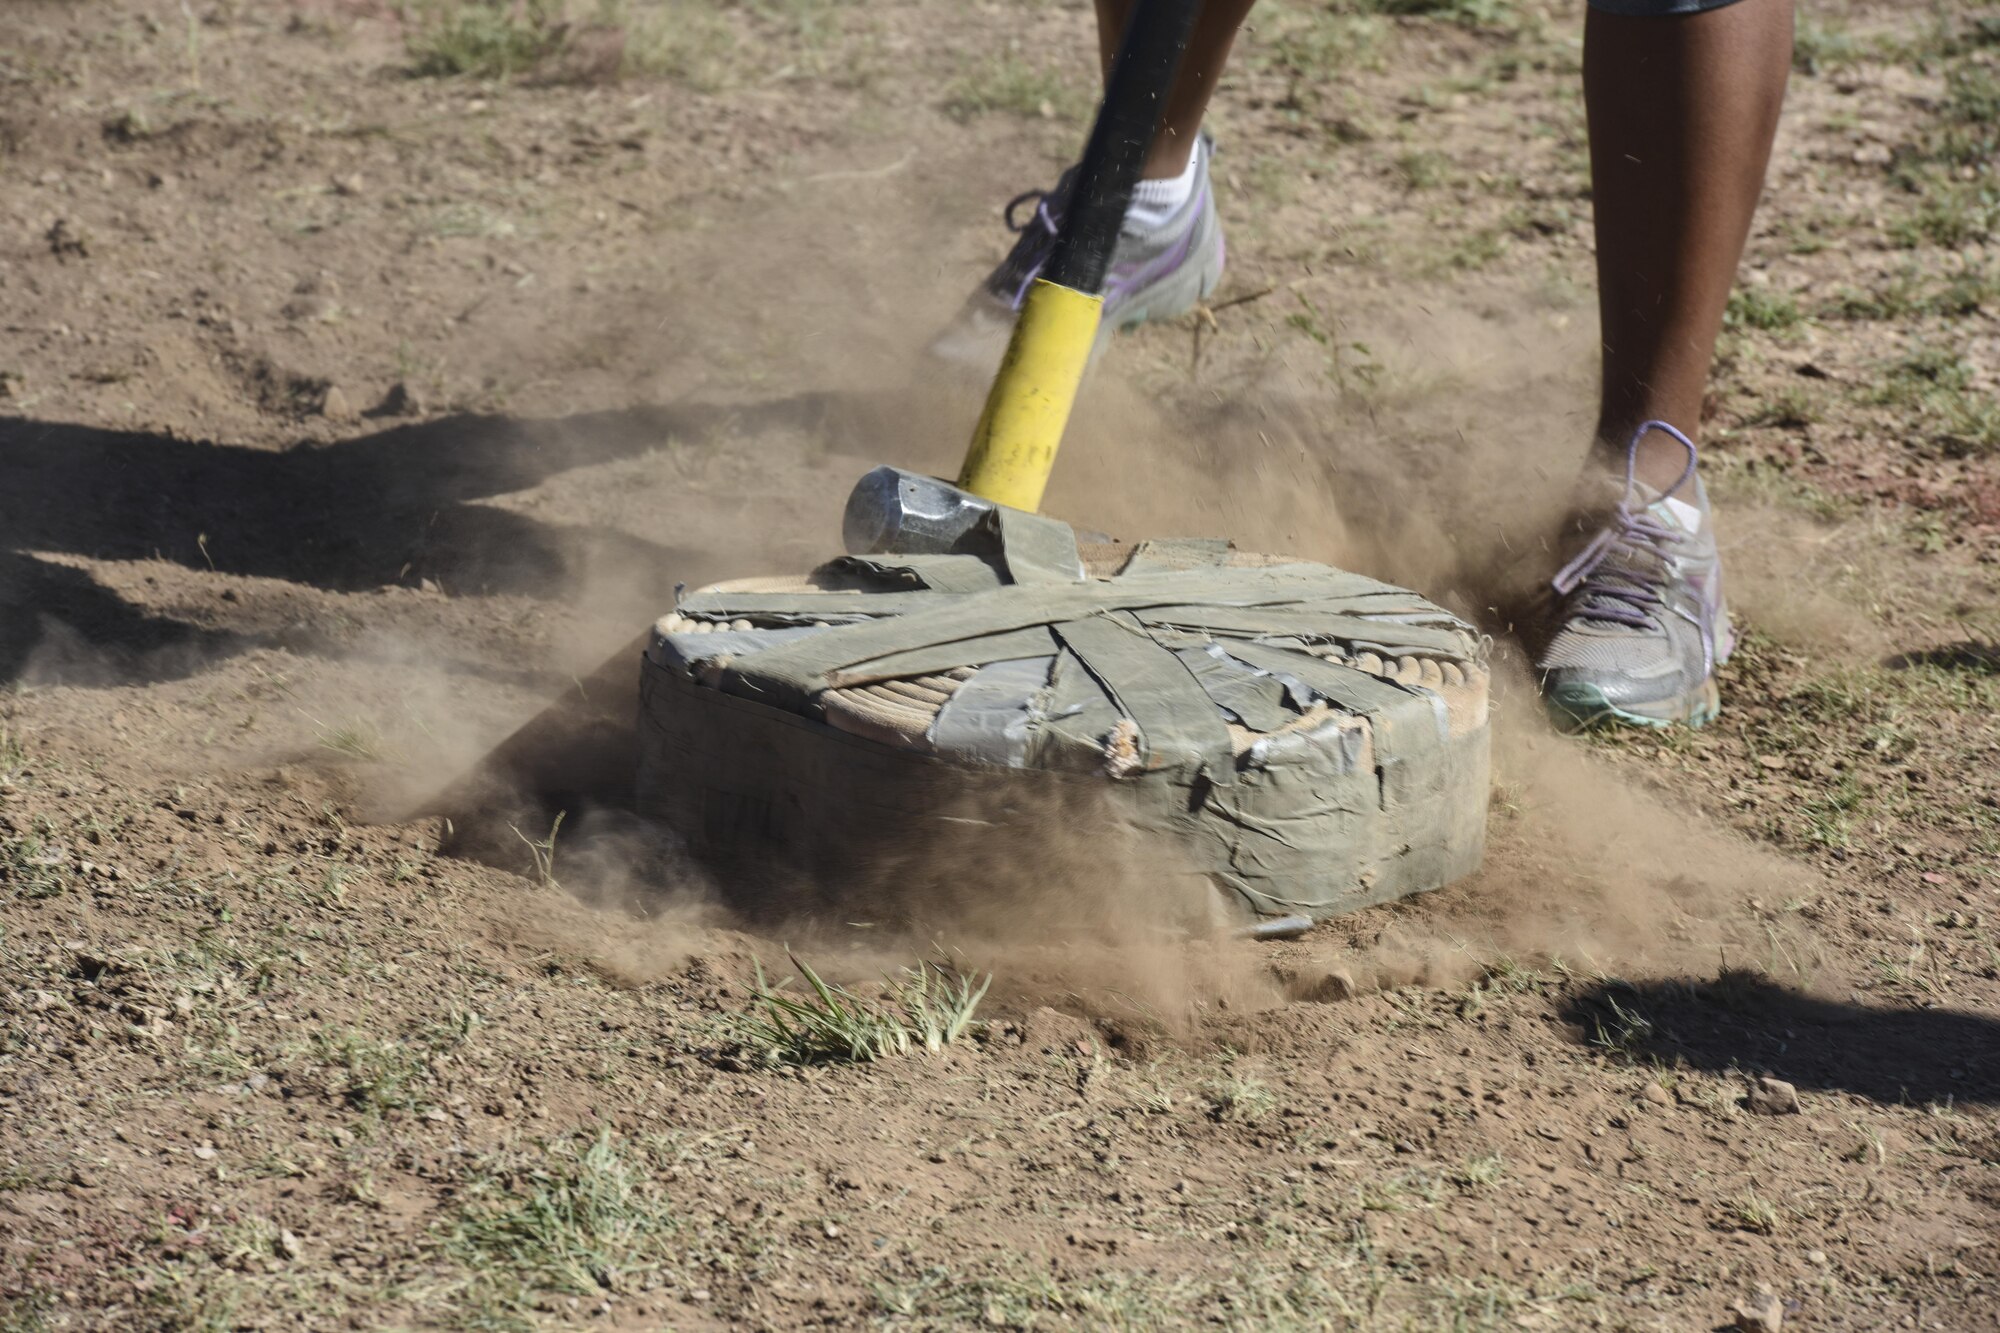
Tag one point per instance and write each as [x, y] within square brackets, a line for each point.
[1452, 471]
[1446, 467]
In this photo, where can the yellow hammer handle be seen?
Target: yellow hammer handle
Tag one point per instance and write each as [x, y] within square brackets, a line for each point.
[1014, 448]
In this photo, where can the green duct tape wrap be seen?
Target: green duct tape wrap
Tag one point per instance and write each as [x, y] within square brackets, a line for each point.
[1310, 739]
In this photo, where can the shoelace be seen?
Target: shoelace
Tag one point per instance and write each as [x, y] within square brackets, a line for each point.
[1040, 245]
[1624, 593]
[1622, 571]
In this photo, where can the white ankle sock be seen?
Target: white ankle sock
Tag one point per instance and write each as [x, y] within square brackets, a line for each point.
[1154, 202]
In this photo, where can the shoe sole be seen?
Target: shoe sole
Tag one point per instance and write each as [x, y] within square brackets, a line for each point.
[1580, 706]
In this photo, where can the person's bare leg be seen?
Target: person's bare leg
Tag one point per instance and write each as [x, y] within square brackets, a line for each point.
[1682, 113]
[1207, 52]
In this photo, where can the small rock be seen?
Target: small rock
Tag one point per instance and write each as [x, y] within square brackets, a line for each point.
[335, 406]
[1817, 1258]
[288, 1245]
[315, 308]
[436, 1115]
[1773, 1096]
[67, 241]
[1655, 1094]
[403, 400]
[206, 1152]
[1336, 985]
[698, 1294]
[1761, 1313]
[350, 185]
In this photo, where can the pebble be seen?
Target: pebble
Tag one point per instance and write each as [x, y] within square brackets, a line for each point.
[315, 308]
[1773, 1096]
[335, 406]
[288, 1244]
[1655, 1094]
[402, 400]
[1761, 1313]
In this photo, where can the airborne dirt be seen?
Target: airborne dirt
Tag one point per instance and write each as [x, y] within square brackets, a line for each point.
[348, 415]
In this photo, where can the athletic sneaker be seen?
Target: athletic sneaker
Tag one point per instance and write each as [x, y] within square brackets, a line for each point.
[1644, 625]
[1156, 272]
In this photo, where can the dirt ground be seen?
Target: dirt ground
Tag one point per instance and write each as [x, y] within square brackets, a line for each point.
[367, 375]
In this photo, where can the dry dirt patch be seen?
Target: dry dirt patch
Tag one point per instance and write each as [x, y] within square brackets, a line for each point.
[369, 373]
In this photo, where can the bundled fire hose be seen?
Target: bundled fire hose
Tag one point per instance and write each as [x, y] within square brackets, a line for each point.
[1295, 740]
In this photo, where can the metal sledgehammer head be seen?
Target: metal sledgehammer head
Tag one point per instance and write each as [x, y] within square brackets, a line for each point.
[891, 510]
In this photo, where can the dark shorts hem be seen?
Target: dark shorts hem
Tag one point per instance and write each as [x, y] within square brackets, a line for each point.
[1647, 9]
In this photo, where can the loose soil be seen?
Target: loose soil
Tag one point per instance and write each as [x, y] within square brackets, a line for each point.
[349, 415]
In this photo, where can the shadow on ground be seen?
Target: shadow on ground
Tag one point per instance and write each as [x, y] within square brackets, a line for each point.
[1969, 655]
[395, 507]
[1743, 1021]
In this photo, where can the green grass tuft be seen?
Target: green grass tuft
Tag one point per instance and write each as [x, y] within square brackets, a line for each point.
[1933, 386]
[380, 1075]
[1761, 308]
[923, 1008]
[357, 740]
[583, 1218]
[489, 39]
[1238, 1100]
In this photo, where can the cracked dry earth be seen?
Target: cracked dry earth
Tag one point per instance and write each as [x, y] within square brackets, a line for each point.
[352, 408]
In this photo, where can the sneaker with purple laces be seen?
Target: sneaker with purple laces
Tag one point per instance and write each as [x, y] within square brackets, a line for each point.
[1157, 272]
[1643, 624]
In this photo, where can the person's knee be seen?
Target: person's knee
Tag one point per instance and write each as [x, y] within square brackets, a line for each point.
[1656, 8]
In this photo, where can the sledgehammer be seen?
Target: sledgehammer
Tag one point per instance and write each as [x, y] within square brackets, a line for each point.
[1014, 446]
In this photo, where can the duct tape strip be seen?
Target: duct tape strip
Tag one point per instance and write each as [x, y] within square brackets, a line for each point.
[990, 717]
[1109, 627]
[1177, 721]
[687, 651]
[1255, 699]
[939, 573]
[1080, 717]
[920, 618]
[1033, 641]
[1037, 549]
[1270, 621]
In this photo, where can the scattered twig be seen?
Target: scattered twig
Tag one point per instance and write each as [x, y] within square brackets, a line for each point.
[872, 173]
[544, 852]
